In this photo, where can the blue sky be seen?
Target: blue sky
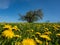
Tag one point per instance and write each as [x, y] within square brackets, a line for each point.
[9, 9]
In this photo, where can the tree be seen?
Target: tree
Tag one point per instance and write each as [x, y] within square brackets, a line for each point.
[32, 16]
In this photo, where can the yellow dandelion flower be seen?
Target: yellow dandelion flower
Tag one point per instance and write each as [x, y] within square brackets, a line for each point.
[18, 36]
[58, 34]
[8, 34]
[28, 42]
[17, 43]
[47, 33]
[38, 33]
[38, 41]
[15, 28]
[47, 43]
[45, 37]
[8, 26]
[32, 30]
[46, 29]
[55, 28]
[58, 26]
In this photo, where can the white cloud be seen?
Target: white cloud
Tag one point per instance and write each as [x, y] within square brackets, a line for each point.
[4, 4]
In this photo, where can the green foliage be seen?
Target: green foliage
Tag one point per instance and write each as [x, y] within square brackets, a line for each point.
[36, 27]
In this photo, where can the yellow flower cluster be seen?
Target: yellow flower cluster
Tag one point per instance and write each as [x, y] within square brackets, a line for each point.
[17, 36]
[10, 27]
[46, 29]
[45, 37]
[47, 33]
[17, 43]
[31, 30]
[56, 27]
[28, 42]
[38, 34]
[58, 34]
[9, 33]
[38, 41]
[15, 28]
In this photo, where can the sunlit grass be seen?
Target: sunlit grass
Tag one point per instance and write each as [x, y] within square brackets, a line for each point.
[33, 33]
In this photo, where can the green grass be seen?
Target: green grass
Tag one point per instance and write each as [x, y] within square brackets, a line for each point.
[37, 27]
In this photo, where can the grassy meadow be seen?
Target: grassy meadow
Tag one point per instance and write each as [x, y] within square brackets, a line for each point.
[29, 33]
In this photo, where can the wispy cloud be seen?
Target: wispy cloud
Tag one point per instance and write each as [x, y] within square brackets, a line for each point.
[4, 4]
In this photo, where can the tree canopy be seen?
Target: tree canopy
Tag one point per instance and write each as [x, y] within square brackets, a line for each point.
[32, 16]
